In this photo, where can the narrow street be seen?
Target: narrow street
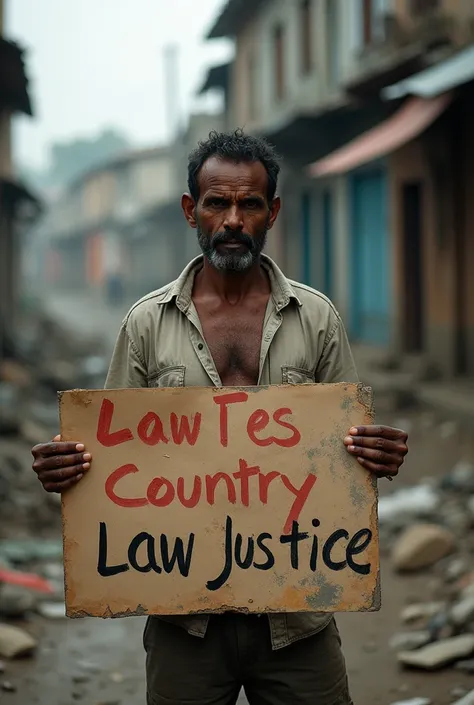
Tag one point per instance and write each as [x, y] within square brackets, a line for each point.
[99, 662]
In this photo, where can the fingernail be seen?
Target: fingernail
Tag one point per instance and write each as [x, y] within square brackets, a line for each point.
[80, 447]
[79, 477]
[353, 431]
[348, 439]
[86, 456]
[351, 448]
[86, 466]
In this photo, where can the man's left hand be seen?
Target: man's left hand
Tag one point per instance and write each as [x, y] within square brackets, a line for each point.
[380, 449]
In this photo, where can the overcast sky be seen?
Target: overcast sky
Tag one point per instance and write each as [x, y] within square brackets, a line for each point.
[99, 63]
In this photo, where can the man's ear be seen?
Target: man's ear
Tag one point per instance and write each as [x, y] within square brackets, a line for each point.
[274, 210]
[189, 209]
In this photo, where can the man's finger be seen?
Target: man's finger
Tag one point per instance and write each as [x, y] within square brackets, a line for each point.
[379, 457]
[60, 461]
[54, 476]
[388, 432]
[379, 470]
[377, 442]
[62, 486]
[57, 448]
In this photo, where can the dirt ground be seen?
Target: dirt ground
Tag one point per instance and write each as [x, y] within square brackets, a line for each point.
[99, 662]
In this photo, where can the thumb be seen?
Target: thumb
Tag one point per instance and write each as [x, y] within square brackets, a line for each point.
[57, 438]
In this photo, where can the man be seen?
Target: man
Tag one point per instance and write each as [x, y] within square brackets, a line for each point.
[232, 318]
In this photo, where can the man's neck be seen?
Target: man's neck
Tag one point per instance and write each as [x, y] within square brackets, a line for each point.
[230, 286]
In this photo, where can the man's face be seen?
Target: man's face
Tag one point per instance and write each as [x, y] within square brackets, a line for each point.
[233, 215]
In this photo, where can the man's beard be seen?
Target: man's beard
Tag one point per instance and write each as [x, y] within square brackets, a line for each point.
[232, 261]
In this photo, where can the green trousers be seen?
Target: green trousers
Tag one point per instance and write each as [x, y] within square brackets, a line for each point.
[236, 652]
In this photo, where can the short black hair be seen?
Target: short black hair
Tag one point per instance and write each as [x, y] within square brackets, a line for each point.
[236, 147]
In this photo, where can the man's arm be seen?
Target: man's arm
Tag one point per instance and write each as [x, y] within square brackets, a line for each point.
[336, 363]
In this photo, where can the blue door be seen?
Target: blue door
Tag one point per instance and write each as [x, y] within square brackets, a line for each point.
[306, 238]
[327, 243]
[369, 259]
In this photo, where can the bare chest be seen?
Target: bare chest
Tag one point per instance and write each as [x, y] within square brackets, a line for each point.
[234, 340]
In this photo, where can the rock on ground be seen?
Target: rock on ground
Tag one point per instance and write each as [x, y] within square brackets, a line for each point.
[439, 654]
[15, 642]
[414, 701]
[466, 700]
[422, 545]
[408, 641]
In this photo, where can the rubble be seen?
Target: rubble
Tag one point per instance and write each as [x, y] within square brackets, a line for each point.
[15, 642]
[407, 504]
[423, 610]
[413, 701]
[52, 610]
[407, 641]
[466, 700]
[466, 666]
[431, 528]
[16, 601]
[463, 611]
[421, 545]
[439, 654]
[8, 687]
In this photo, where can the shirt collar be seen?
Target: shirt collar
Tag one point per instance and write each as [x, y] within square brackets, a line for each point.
[181, 289]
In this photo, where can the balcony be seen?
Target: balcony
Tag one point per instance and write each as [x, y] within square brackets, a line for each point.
[403, 47]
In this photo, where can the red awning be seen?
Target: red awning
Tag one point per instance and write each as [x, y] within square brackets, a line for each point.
[406, 124]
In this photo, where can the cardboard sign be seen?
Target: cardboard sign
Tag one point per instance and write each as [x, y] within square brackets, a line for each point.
[210, 499]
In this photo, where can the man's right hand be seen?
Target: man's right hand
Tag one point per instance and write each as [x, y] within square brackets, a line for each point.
[59, 465]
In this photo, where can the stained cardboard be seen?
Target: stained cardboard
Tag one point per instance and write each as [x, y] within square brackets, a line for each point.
[119, 558]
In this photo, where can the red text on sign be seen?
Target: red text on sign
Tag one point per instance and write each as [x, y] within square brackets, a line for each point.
[161, 491]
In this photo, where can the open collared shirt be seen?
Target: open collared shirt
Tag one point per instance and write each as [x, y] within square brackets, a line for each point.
[161, 344]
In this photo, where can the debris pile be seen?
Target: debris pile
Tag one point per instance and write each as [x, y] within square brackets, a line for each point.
[428, 529]
[46, 360]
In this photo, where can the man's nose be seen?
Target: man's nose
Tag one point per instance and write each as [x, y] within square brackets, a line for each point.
[233, 219]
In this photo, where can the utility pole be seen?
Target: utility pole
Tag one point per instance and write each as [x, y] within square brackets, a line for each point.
[172, 85]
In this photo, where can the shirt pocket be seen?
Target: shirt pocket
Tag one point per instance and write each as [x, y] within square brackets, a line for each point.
[296, 375]
[168, 377]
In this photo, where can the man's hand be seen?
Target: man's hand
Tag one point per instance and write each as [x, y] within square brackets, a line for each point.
[380, 449]
[59, 465]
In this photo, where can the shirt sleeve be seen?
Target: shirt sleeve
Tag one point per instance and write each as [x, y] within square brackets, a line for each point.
[336, 363]
[127, 367]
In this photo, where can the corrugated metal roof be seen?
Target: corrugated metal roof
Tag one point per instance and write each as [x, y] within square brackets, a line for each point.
[406, 124]
[437, 79]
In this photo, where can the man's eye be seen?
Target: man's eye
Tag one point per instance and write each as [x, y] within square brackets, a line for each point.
[252, 204]
[216, 202]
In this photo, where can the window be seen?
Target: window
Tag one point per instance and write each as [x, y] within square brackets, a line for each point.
[373, 12]
[419, 7]
[252, 86]
[306, 34]
[279, 62]
[367, 21]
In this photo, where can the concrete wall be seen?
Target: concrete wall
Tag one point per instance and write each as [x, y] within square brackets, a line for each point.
[152, 181]
[448, 247]
[303, 93]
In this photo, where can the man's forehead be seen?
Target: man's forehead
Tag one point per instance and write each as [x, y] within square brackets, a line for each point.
[223, 173]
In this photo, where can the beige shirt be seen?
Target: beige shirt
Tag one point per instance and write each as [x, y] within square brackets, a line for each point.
[161, 344]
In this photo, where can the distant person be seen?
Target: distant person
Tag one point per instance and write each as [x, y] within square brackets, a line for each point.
[233, 318]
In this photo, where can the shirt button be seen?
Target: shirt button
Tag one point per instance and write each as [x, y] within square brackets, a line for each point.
[200, 346]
